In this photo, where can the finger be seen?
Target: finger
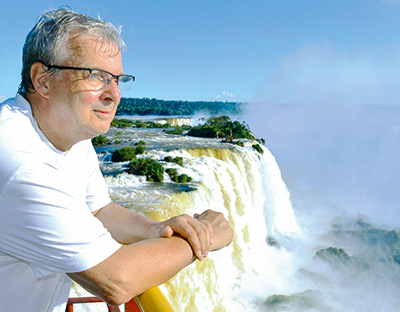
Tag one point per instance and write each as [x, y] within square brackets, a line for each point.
[204, 234]
[196, 215]
[192, 236]
[184, 226]
[211, 232]
[196, 232]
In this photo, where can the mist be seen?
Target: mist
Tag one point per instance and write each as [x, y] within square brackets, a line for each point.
[345, 155]
[340, 165]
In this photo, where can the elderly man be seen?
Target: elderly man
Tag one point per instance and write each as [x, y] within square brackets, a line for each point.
[57, 222]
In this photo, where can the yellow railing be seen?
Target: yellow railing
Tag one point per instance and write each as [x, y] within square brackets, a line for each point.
[152, 300]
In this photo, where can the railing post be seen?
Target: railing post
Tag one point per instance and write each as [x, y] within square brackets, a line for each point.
[130, 306]
[70, 307]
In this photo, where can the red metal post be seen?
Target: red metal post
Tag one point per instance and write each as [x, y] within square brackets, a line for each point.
[130, 306]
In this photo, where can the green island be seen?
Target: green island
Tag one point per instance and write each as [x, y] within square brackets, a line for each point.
[221, 127]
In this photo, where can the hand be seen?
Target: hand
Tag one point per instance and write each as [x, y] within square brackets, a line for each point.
[222, 231]
[197, 231]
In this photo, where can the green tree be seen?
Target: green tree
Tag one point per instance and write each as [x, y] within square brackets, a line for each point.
[183, 178]
[176, 160]
[258, 148]
[139, 149]
[124, 154]
[222, 127]
[99, 140]
[173, 174]
[148, 167]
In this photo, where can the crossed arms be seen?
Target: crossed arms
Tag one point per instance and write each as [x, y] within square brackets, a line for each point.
[153, 251]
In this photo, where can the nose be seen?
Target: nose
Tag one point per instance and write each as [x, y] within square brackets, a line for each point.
[111, 93]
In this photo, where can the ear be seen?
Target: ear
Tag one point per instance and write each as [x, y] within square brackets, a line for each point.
[40, 79]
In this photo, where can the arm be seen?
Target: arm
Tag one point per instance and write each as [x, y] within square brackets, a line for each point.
[127, 227]
[135, 268]
[139, 266]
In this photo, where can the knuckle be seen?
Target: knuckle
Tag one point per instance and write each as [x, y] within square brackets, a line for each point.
[184, 217]
[192, 233]
[200, 231]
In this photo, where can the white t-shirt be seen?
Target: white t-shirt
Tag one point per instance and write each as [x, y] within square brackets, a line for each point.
[46, 225]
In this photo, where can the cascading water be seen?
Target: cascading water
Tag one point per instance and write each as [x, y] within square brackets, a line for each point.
[238, 181]
[247, 188]
[316, 259]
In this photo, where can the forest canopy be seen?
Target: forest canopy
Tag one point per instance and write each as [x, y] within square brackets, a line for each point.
[146, 106]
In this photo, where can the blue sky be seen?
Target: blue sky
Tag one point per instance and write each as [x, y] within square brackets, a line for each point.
[276, 51]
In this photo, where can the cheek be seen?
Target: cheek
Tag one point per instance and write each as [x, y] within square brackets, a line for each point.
[87, 101]
[90, 96]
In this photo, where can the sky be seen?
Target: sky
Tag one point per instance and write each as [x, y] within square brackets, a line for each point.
[286, 51]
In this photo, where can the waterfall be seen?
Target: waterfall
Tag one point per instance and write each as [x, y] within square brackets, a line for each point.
[247, 187]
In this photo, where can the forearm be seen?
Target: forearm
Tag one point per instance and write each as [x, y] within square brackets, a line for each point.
[135, 268]
[125, 226]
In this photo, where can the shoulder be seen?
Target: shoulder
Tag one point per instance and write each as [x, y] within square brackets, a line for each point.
[19, 141]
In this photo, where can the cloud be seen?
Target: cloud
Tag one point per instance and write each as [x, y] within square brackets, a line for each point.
[321, 73]
[225, 96]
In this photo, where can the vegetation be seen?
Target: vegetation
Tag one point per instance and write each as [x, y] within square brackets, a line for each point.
[145, 106]
[178, 130]
[215, 127]
[222, 127]
[122, 123]
[258, 148]
[127, 153]
[139, 149]
[183, 178]
[148, 167]
[127, 123]
[99, 140]
[149, 124]
[173, 174]
[176, 160]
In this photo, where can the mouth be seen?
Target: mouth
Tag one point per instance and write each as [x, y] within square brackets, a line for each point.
[103, 114]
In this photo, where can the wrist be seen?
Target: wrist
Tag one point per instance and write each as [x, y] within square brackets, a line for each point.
[189, 247]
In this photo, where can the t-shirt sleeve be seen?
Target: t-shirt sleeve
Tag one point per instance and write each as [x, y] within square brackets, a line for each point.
[96, 188]
[50, 225]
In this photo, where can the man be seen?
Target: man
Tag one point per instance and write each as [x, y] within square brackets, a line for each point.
[56, 219]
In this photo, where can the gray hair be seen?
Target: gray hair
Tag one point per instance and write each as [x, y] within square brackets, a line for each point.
[48, 40]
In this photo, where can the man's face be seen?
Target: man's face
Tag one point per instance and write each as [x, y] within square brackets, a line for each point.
[81, 111]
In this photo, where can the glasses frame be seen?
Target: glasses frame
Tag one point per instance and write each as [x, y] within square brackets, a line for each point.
[90, 70]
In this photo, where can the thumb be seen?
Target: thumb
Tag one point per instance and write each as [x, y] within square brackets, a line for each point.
[166, 231]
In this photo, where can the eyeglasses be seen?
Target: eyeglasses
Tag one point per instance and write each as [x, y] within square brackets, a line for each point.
[100, 79]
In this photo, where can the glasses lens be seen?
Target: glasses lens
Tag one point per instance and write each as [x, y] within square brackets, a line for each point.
[98, 79]
[125, 83]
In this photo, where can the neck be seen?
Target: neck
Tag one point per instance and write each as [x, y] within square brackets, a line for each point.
[53, 129]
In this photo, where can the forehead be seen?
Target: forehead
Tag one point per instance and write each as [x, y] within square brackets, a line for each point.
[84, 49]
